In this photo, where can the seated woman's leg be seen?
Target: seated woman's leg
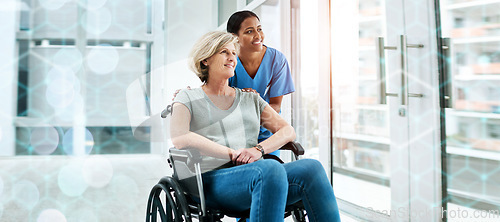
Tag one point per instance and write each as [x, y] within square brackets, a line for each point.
[308, 182]
[261, 186]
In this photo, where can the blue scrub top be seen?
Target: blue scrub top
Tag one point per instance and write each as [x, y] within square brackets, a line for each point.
[273, 79]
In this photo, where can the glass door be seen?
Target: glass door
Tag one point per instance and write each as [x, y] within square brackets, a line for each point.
[471, 61]
[385, 94]
[361, 120]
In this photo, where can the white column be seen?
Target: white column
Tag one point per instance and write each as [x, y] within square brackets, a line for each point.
[324, 95]
[159, 98]
[8, 97]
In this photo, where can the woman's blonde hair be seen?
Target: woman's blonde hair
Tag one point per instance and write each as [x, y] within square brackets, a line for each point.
[208, 45]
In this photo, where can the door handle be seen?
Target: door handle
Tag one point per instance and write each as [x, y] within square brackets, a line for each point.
[404, 72]
[446, 68]
[380, 47]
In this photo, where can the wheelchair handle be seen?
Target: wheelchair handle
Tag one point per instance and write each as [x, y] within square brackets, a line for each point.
[166, 111]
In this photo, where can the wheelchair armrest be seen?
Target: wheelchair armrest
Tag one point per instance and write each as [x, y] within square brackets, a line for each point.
[188, 155]
[295, 147]
[191, 156]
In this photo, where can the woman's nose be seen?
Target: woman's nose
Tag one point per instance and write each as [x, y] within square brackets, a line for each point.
[257, 35]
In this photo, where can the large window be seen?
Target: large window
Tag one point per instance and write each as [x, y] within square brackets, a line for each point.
[83, 85]
[472, 115]
[77, 89]
[76, 61]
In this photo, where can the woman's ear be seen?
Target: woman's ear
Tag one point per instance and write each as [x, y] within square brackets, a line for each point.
[204, 62]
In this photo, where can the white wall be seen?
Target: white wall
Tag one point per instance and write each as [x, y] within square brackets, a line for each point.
[8, 70]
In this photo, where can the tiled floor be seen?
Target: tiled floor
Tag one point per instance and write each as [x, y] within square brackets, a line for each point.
[60, 188]
[100, 188]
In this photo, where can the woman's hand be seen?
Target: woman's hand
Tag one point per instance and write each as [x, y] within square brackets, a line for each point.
[249, 90]
[247, 155]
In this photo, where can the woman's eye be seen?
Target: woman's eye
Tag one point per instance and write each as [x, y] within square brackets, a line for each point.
[260, 30]
[249, 31]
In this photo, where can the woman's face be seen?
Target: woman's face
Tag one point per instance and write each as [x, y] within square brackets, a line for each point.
[250, 35]
[222, 63]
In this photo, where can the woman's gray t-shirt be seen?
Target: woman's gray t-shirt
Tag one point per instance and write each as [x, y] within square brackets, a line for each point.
[237, 127]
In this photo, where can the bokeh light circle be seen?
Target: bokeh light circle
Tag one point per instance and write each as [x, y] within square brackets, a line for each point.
[98, 21]
[51, 215]
[69, 112]
[59, 100]
[68, 57]
[103, 60]
[68, 143]
[62, 87]
[66, 74]
[95, 4]
[44, 140]
[52, 4]
[70, 180]
[97, 171]
[26, 194]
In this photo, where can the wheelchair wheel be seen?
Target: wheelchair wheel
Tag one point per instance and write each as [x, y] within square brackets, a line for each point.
[174, 207]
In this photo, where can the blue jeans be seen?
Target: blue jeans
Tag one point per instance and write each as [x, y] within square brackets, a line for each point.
[266, 187]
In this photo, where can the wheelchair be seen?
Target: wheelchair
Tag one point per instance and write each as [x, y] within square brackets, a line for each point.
[173, 197]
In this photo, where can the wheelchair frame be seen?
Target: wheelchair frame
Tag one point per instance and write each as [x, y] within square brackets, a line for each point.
[184, 183]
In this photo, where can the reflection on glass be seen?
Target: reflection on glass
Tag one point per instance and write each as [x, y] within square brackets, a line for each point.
[64, 121]
[361, 129]
[305, 65]
[473, 122]
[82, 82]
[61, 83]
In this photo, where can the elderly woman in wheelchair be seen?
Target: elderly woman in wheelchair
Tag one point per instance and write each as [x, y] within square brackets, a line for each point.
[222, 123]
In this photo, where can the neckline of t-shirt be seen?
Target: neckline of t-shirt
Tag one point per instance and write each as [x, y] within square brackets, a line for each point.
[231, 108]
[260, 65]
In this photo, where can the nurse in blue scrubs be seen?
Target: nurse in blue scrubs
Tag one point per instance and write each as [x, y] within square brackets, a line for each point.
[260, 68]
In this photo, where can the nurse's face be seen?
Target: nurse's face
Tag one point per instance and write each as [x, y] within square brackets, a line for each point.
[222, 63]
[250, 35]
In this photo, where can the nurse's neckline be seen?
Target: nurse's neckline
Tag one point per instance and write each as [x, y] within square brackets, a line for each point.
[253, 70]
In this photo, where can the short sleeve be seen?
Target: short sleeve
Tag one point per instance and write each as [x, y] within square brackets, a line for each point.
[183, 98]
[281, 82]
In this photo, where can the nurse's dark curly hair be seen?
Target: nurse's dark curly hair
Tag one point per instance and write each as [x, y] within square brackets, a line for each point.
[234, 22]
